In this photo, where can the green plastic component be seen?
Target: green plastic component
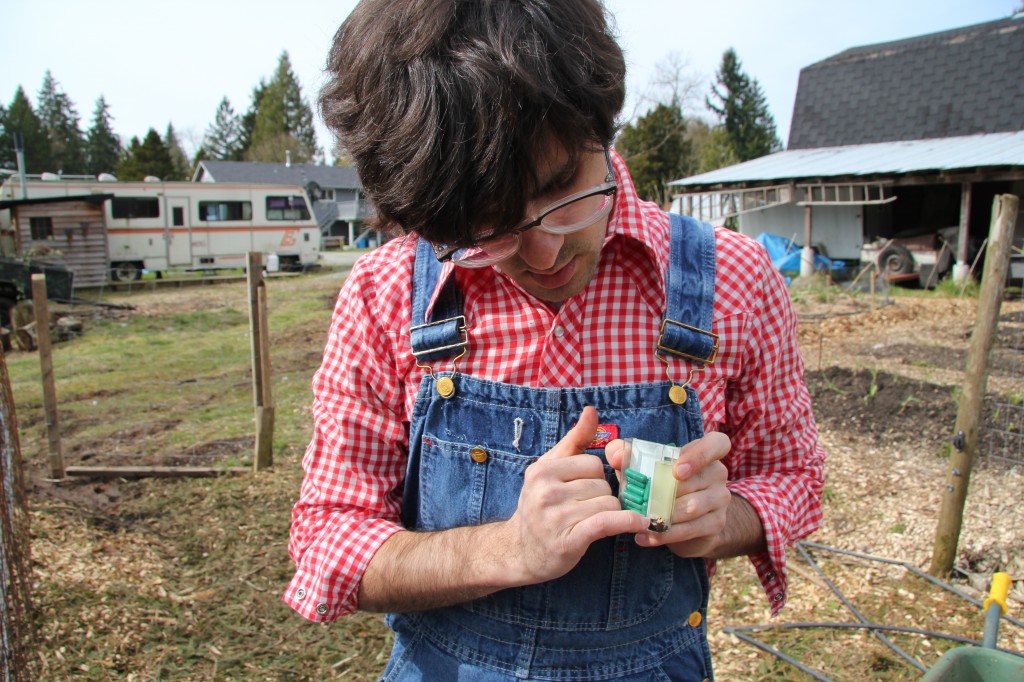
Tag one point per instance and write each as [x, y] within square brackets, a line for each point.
[975, 664]
[629, 505]
[635, 497]
[636, 492]
[633, 476]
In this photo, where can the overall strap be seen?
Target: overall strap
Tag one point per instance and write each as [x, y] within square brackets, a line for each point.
[690, 292]
[444, 333]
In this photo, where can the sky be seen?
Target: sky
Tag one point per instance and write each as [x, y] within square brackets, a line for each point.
[159, 62]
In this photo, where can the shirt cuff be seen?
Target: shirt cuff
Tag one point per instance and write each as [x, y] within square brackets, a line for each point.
[770, 565]
[326, 581]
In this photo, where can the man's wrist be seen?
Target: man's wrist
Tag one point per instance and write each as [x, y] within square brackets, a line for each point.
[743, 534]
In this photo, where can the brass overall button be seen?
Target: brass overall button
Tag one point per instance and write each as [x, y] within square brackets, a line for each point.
[695, 619]
[478, 454]
[445, 387]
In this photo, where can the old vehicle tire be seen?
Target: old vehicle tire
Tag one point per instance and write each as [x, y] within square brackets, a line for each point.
[125, 271]
[895, 260]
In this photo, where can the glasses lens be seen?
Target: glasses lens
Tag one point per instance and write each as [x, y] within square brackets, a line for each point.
[577, 215]
[490, 252]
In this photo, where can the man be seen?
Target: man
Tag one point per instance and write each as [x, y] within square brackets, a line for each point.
[481, 372]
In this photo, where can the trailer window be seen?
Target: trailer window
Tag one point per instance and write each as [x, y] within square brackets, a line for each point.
[225, 210]
[134, 207]
[41, 228]
[287, 208]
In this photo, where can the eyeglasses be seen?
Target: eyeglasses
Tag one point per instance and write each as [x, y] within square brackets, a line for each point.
[571, 214]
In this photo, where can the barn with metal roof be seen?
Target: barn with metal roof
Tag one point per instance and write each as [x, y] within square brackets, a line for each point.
[903, 143]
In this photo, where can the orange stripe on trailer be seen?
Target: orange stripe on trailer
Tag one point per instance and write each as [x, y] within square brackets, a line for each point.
[179, 230]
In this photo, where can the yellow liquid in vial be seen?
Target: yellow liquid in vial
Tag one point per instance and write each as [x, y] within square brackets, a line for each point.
[663, 493]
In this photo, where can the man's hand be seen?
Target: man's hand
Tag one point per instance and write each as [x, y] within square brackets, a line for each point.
[565, 505]
[703, 521]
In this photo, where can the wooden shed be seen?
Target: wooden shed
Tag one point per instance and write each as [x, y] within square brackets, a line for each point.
[70, 230]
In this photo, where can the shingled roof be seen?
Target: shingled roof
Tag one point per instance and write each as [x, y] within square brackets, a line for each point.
[337, 177]
[954, 83]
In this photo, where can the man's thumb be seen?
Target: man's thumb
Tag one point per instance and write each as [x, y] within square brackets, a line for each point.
[579, 437]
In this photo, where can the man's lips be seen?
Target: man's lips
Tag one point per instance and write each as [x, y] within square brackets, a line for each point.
[556, 279]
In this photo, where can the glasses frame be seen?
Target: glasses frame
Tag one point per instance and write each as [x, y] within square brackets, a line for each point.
[444, 252]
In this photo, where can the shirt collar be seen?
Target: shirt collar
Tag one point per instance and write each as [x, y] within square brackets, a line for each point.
[633, 218]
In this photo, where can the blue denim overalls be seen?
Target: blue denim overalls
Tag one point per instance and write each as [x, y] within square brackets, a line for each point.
[625, 612]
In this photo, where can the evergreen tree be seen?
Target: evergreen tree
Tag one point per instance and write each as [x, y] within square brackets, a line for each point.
[103, 147]
[150, 157]
[657, 150]
[223, 139]
[298, 114]
[7, 159]
[247, 123]
[740, 104]
[20, 117]
[179, 159]
[61, 122]
[283, 119]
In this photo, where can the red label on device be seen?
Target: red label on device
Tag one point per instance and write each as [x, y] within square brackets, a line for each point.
[605, 433]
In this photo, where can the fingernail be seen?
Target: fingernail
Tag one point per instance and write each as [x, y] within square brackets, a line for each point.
[683, 470]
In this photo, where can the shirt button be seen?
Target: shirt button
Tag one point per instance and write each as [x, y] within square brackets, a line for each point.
[478, 455]
[695, 619]
[777, 597]
[321, 609]
[769, 576]
[559, 331]
[300, 593]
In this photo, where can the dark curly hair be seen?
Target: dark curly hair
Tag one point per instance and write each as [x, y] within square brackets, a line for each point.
[446, 106]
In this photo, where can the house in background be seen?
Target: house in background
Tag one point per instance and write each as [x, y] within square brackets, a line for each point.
[901, 145]
[340, 208]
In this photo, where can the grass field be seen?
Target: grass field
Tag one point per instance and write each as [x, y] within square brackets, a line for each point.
[180, 579]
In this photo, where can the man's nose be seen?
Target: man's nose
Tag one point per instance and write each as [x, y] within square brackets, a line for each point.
[539, 249]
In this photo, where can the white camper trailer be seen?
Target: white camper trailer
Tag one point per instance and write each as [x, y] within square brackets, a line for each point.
[160, 226]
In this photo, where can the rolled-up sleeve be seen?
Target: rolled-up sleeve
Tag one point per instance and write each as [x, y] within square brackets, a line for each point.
[350, 498]
[777, 462]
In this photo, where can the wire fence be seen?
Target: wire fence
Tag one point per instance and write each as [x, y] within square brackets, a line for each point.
[1002, 437]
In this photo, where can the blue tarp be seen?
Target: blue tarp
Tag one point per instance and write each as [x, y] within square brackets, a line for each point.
[785, 255]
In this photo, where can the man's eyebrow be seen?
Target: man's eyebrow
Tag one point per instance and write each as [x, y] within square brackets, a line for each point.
[558, 179]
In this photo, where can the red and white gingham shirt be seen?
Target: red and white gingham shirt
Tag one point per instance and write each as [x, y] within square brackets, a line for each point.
[605, 335]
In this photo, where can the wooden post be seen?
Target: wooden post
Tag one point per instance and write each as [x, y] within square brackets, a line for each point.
[807, 253]
[259, 334]
[873, 279]
[960, 273]
[16, 632]
[969, 411]
[56, 449]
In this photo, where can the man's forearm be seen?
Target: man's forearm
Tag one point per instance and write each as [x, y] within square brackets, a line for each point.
[743, 534]
[414, 571]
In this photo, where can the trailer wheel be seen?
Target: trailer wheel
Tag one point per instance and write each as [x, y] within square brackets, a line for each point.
[125, 271]
[895, 260]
